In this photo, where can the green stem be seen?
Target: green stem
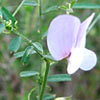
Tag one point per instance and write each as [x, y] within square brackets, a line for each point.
[29, 95]
[18, 8]
[40, 20]
[30, 42]
[44, 80]
[40, 13]
[40, 7]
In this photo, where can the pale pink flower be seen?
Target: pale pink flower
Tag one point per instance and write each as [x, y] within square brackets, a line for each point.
[66, 38]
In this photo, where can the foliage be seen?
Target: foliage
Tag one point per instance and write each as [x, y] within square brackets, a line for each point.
[30, 51]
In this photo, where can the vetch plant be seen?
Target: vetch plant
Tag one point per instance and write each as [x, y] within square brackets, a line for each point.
[66, 38]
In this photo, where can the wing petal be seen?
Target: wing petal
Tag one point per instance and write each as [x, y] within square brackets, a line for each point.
[89, 60]
[74, 61]
[81, 58]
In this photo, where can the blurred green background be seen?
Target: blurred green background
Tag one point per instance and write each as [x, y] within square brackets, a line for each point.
[84, 85]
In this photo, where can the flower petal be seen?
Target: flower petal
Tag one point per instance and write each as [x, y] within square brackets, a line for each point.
[81, 58]
[62, 35]
[89, 60]
[74, 61]
[81, 38]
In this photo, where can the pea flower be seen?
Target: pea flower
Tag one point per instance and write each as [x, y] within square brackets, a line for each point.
[66, 38]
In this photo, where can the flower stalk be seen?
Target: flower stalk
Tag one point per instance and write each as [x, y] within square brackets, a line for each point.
[44, 83]
[44, 80]
[40, 13]
[18, 7]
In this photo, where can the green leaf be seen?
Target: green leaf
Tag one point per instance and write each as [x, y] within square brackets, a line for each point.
[94, 22]
[63, 98]
[44, 35]
[20, 54]
[49, 97]
[86, 6]
[38, 46]
[28, 73]
[30, 3]
[72, 3]
[53, 63]
[52, 8]
[49, 57]
[59, 78]
[2, 27]
[8, 16]
[15, 44]
[0, 13]
[28, 51]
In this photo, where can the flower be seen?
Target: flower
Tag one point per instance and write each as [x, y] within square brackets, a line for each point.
[66, 38]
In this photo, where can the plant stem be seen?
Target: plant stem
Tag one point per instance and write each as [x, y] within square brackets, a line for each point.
[29, 95]
[44, 80]
[40, 20]
[40, 7]
[30, 42]
[40, 13]
[18, 7]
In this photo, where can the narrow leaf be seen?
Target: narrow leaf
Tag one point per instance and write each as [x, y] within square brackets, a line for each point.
[94, 22]
[49, 97]
[15, 44]
[86, 6]
[30, 3]
[49, 57]
[44, 35]
[28, 73]
[63, 98]
[72, 3]
[20, 54]
[52, 8]
[28, 51]
[38, 46]
[0, 13]
[59, 78]
[2, 27]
